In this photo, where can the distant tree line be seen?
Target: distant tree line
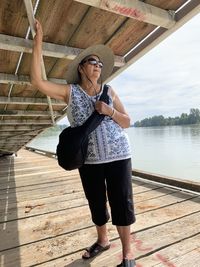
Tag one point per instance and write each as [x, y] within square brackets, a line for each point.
[192, 118]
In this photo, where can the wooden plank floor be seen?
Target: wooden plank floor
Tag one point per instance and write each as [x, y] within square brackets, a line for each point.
[45, 220]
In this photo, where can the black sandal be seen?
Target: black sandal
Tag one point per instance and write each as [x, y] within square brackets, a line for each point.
[127, 263]
[94, 250]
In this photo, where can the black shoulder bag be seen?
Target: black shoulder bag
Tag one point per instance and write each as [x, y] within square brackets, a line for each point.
[73, 141]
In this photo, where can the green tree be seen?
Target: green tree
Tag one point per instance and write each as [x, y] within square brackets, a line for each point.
[192, 118]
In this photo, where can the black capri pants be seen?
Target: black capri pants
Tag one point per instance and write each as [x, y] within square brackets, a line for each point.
[112, 180]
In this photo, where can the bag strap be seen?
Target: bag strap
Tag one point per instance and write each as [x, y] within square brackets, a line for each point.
[95, 119]
[104, 96]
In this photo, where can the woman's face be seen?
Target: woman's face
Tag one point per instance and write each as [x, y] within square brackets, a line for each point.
[91, 66]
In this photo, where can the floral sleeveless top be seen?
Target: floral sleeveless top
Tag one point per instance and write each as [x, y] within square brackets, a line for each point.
[108, 142]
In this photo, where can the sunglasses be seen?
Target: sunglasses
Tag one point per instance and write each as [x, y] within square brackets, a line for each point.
[93, 61]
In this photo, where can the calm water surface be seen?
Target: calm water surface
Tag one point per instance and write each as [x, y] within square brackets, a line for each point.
[172, 151]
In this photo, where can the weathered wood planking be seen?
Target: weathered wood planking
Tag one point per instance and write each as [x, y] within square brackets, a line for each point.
[3, 91]
[13, 22]
[66, 245]
[129, 35]
[97, 27]
[49, 222]
[8, 61]
[181, 254]
[13, 18]
[58, 28]
[153, 240]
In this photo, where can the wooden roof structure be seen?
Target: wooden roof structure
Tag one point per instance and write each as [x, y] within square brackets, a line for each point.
[129, 27]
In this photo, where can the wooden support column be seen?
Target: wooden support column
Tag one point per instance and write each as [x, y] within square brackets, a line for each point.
[29, 10]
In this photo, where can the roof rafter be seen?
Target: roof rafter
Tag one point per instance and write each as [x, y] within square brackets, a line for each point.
[11, 133]
[22, 79]
[18, 44]
[24, 128]
[29, 101]
[26, 122]
[28, 113]
[11, 144]
[135, 9]
[19, 140]
[9, 151]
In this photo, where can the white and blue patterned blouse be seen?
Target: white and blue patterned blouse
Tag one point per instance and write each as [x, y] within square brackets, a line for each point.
[108, 142]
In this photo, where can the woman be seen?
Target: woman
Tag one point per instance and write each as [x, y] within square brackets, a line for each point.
[107, 169]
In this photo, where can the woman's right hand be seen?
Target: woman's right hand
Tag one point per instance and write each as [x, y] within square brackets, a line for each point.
[39, 33]
[54, 90]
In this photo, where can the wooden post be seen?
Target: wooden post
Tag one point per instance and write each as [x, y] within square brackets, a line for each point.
[29, 10]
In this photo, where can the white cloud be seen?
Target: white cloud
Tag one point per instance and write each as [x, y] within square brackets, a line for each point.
[166, 80]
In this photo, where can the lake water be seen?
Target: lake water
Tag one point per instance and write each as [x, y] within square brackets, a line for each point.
[173, 151]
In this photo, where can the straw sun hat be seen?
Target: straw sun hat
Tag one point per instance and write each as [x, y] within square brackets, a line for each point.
[103, 52]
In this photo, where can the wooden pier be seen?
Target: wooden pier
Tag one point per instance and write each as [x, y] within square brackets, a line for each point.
[45, 220]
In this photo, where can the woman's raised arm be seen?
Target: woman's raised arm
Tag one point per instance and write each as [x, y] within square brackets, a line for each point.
[54, 90]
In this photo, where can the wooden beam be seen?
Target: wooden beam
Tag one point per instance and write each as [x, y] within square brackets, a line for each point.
[23, 79]
[24, 128]
[41, 151]
[28, 113]
[30, 101]
[21, 138]
[135, 9]
[14, 79]
[31, 19]
[26, 122]
[12, 147]
[15, 140]
[4, 151]
[10, 134]
[160, 34]
[180, 183]
[18, 44]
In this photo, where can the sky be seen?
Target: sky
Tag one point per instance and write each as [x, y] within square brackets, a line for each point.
[165, 81]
